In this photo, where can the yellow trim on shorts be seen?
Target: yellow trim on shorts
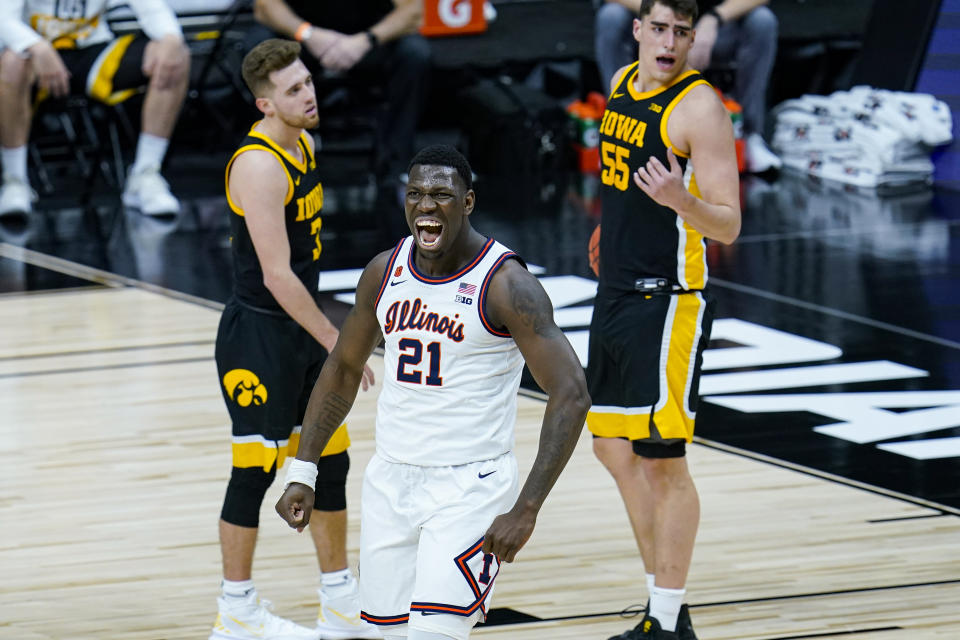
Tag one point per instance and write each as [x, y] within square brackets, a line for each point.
[632, 426]
[102, 88]
[672, 415]
[263, 453]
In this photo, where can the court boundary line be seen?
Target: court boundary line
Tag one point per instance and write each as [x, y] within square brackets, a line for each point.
[633, 611]
[88, 352]
[844, 315]
[100, 276]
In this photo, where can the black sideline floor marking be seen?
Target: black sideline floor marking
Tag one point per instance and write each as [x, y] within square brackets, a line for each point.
[834, 634]
[633, 611]
[99, 276]
[921, 517]
[86, 352]
[127, 365]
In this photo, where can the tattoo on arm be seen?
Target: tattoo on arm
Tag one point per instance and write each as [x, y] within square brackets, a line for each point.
[529, 309]
[334, 408]
[319, 425]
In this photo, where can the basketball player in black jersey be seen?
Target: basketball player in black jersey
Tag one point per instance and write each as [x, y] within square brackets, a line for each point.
[669, 182]
[271, 344]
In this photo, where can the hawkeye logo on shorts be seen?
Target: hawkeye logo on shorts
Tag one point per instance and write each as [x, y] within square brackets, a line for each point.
[244, 388]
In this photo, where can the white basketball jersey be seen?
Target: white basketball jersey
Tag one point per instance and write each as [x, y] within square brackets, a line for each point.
[450, 378]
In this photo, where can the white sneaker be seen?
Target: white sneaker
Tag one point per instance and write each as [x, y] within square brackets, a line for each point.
[759, 157]
[147, 191]
[339, 618]
[16, 196]
[250, 619]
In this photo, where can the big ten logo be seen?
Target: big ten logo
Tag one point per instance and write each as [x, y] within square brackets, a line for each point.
[452, 17]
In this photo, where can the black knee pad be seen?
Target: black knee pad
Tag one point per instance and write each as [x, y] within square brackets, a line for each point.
[331, 489]
[245, 493]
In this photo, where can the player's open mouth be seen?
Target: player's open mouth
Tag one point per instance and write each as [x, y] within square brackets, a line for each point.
[429, 231]
[665, 62]
[311, 111]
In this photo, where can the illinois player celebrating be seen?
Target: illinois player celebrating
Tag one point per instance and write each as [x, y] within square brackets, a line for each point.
[458, 313]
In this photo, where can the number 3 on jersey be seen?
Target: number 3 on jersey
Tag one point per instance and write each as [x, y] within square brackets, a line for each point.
[616, 171]
[412, 356]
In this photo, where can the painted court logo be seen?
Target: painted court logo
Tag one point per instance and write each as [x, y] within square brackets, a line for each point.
[244, 388]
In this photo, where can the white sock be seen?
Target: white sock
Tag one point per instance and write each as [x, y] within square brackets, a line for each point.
[14, 162]
[237, 588]
[337, 583]
[651, 580]
[150, 152]
[665, 606]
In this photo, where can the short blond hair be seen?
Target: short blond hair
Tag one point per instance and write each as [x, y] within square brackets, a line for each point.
[265, 58]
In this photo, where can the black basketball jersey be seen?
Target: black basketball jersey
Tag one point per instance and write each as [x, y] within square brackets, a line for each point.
[640, 238]
[302, 214]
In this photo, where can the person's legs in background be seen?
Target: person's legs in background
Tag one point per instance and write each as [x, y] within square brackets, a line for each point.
[15, 115]
[145, 188]
[751, 42]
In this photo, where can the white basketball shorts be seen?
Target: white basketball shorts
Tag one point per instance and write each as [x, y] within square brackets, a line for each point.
[421, 535]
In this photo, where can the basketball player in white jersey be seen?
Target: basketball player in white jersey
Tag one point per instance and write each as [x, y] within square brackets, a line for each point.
[458, 313]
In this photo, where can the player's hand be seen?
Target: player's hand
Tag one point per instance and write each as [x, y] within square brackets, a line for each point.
[166, 61]
[665, 187]
[52, 74]
[368, 380]
[346, 52]
[508, 533]
[296, 505]
[703, 41]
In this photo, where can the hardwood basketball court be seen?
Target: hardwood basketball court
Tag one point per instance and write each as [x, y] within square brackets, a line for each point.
[115, 446]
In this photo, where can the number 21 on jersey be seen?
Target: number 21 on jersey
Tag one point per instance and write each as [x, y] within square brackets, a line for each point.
[408, 364]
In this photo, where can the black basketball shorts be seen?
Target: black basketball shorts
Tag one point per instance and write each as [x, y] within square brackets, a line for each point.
[267, 365]
[643, 367]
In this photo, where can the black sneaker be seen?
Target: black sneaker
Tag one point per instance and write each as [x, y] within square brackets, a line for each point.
[648, 629]
[685, 624]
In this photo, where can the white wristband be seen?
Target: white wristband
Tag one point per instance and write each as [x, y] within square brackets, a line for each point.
[301, 471]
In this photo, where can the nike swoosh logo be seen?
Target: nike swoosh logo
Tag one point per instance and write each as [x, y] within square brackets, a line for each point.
[618, 95]
[394, 283]
[484, 475]
[297, 182]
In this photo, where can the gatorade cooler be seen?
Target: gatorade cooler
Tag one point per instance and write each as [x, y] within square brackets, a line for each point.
[452, 17]
[736, 117]
[586, 116]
